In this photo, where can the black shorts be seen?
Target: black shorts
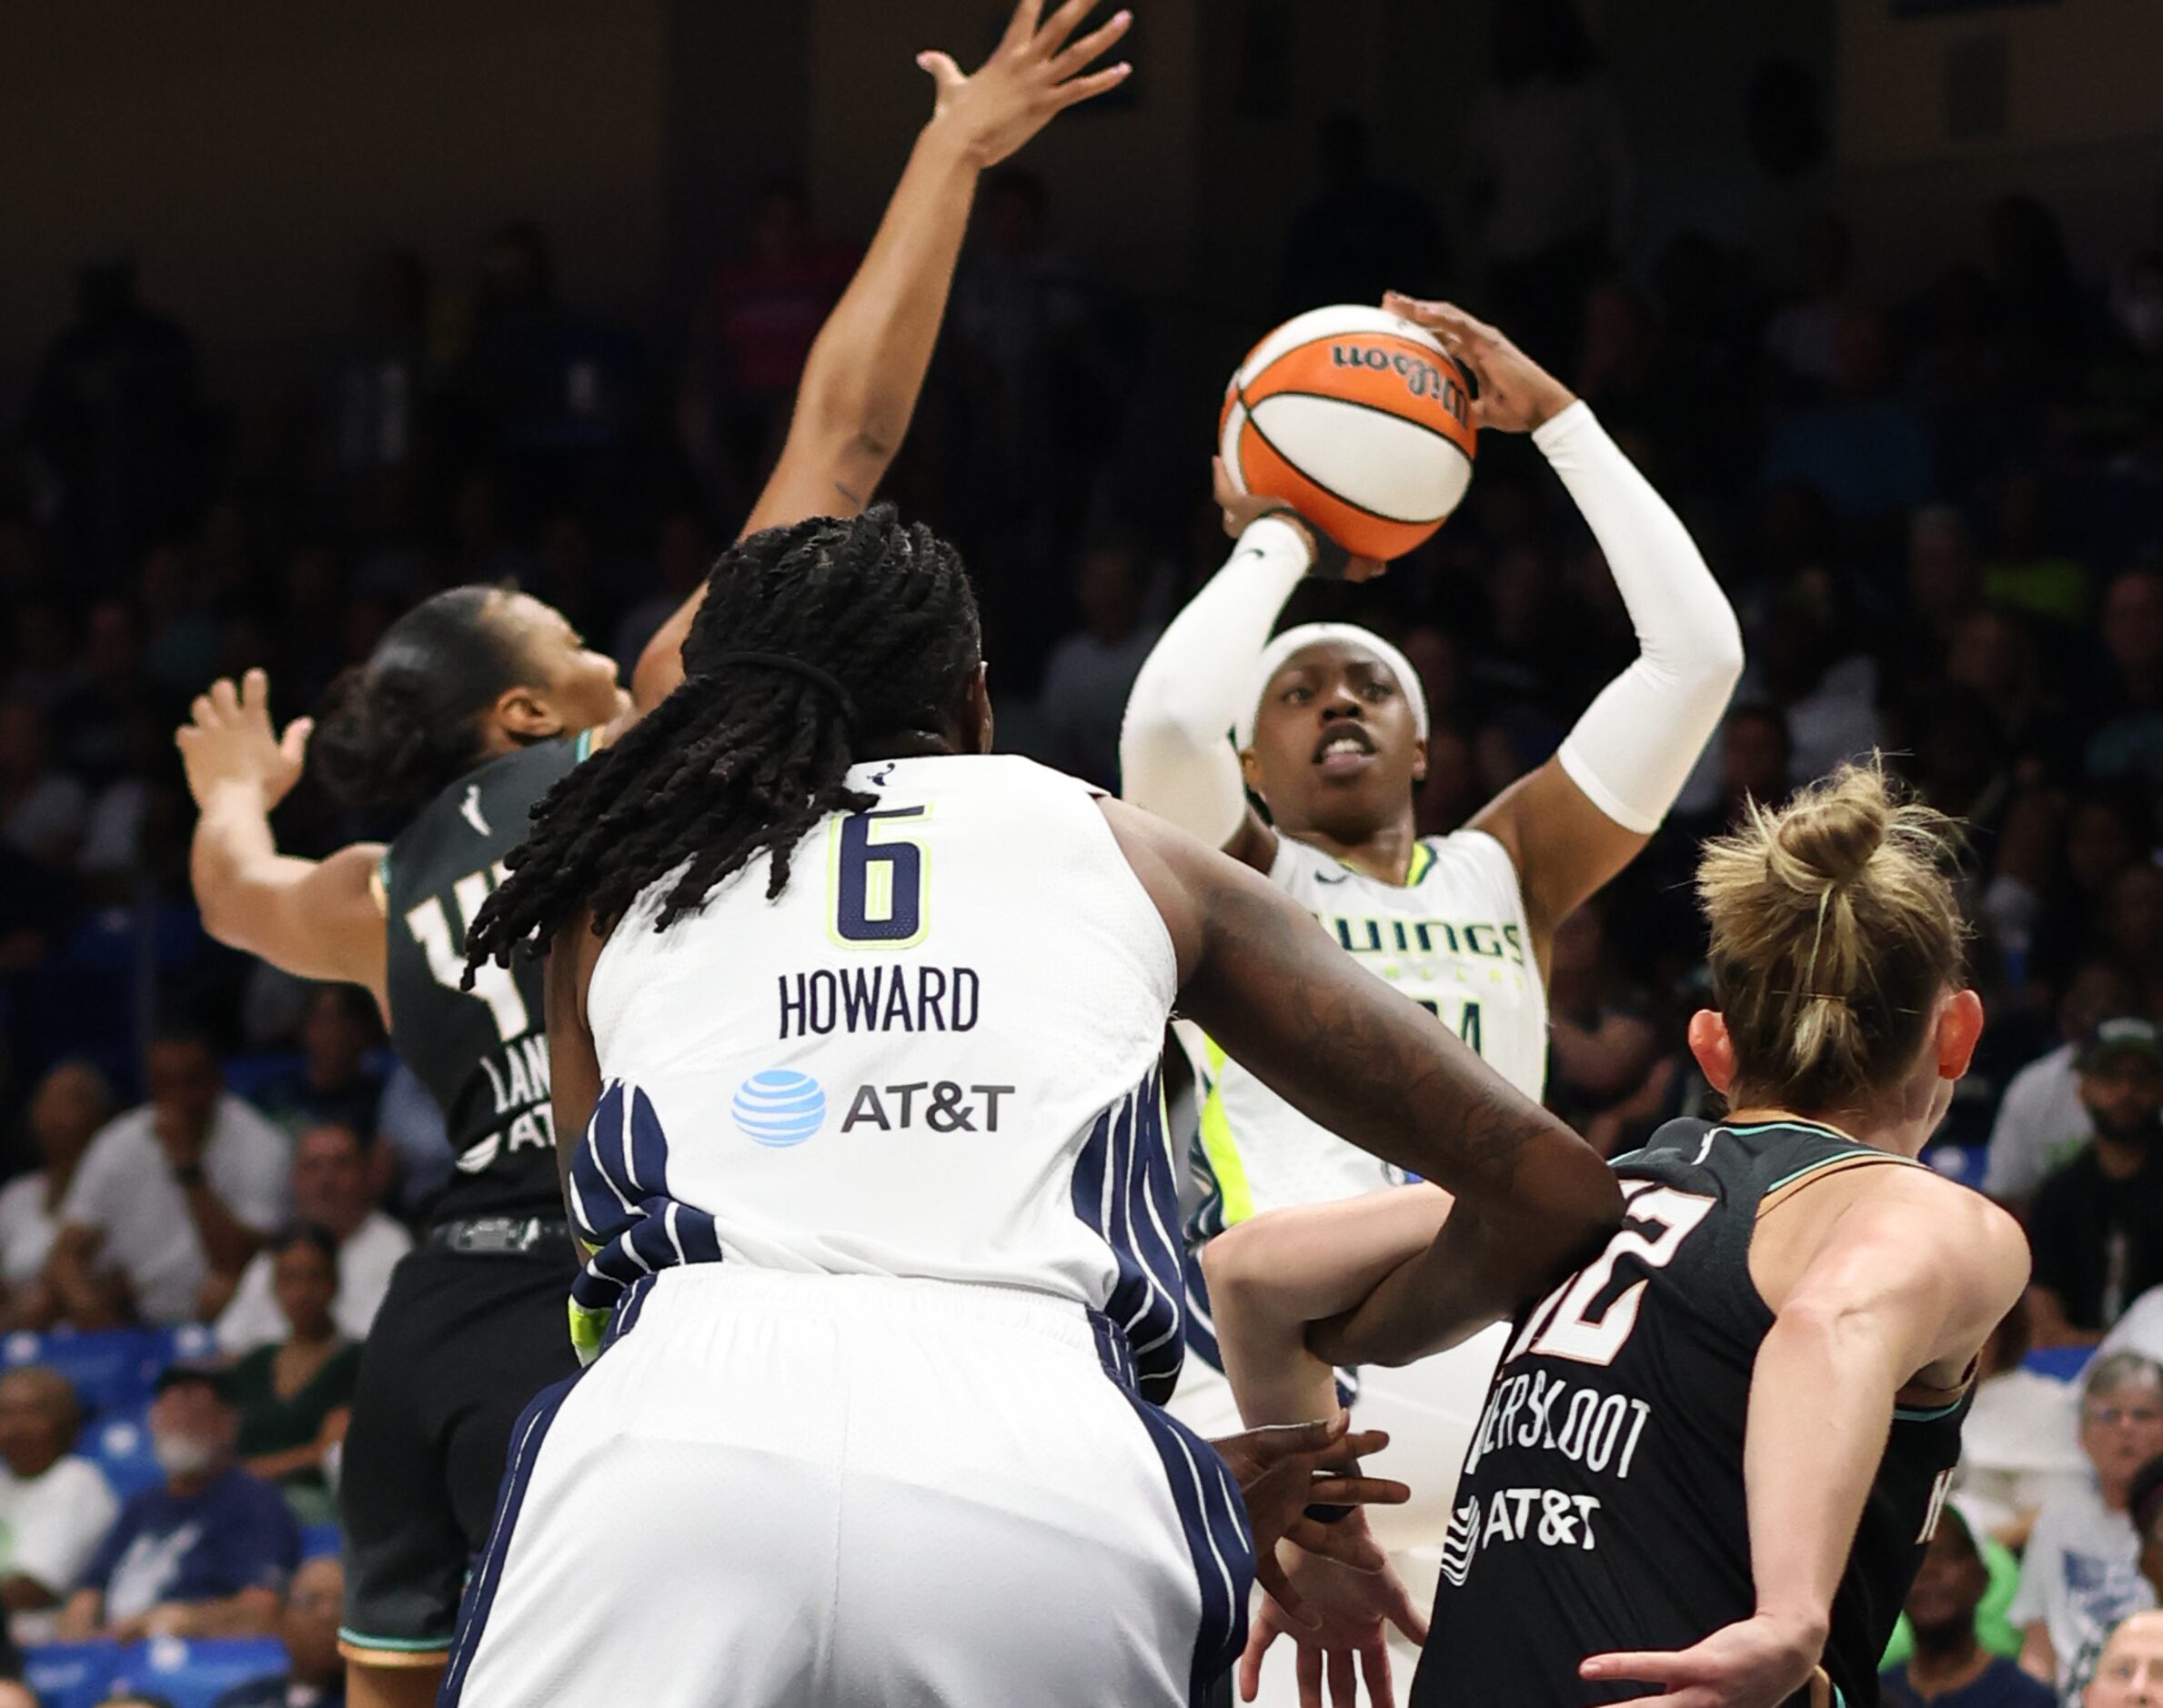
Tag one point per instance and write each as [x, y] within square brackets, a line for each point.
[460, 1345]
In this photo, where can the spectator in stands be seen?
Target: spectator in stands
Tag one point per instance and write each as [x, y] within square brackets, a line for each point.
[2144, 1504]
[205, 1554]
[334, 1085]
[170, 1194]
[753, 333]
[2081, 1575]
[94, 719]
[42, 807]
[2129, 1670]
[1864, 450]
[2041, 1122]
[1803, 336]
[113, 417]
[2096, 1225]
[1600, 1030]
[316, 1675]
[1552, 176]
[2021, 1443]
[1950, 1667]
[2131, 922]
[1092, 672]
[1360, 231]
[2130, 738]
[70, 1104]
[294, 1396]
[334, 1180]
[414, 1156]
[55, 1507]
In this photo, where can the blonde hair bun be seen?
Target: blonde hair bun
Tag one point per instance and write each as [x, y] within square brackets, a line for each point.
[1835, 928]
[1827, 835]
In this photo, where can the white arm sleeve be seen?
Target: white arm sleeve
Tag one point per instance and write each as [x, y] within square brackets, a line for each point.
[1635, 746]
[1175, 753]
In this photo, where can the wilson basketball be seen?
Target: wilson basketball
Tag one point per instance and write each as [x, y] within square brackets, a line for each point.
[1360, 421]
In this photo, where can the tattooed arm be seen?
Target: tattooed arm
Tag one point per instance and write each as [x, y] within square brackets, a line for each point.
[1345, 1050]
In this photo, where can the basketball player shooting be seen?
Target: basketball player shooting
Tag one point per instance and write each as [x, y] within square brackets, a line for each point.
[1331, 730]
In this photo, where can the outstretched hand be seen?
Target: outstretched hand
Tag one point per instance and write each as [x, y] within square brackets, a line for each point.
[1346, 1636]
[229, 741]
[1279, 1473]
[1752, 1664]
[1516, 394]
[1033, 74]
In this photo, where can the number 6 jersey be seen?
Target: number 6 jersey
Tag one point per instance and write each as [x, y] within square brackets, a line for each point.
[1602, 1504]
[483, 1054]
[934, 1054]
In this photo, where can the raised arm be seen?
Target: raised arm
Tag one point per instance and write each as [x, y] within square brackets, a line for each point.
[1584, 815]
[1339, 1045]
[1176, 752]
[315, 918]
[1897, 1276]
[866, 369]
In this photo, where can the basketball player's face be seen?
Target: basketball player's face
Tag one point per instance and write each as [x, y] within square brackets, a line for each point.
[1335, 748]
[576, 684]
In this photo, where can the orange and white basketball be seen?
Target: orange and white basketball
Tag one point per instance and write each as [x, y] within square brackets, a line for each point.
[1360, 421]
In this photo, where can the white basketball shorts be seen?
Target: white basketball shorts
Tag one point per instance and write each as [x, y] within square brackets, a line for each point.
[794, 1490]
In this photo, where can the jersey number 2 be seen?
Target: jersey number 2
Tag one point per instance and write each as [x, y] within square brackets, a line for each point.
[875, 883]
[1569, 1322]
[431, 928]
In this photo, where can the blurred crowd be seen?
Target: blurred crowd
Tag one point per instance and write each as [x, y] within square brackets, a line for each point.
[1939, 513]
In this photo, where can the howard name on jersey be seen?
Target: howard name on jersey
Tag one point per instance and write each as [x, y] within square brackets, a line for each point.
[933, 1055]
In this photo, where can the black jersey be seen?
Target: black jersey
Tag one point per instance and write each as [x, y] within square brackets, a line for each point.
[1602, 1505]
[483, 1053]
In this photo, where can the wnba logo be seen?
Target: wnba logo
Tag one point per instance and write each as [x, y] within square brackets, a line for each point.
[778, 1108]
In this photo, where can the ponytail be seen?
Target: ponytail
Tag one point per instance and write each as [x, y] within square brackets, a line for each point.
[396, 731]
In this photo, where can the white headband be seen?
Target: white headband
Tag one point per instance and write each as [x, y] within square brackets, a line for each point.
[1293, 640]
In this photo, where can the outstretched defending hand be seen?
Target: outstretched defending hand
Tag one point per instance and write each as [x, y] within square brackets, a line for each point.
[1279, 1473]
[229, 741]
[1345, 1638]
[1030, 76]
[1516, 394]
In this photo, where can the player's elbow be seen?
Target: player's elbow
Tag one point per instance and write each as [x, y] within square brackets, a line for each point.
[1719, 652]
[1232, 1261]
[1159, 741]
[226, 910]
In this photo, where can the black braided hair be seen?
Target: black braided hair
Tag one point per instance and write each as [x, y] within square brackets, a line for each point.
[745, 756]
[395, 732]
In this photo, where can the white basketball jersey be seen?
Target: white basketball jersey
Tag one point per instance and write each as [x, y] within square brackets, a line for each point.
[1453, 938]
[934, 1054]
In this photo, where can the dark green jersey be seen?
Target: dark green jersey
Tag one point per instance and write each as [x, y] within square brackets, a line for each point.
[1602, 1505]
[483, 1053]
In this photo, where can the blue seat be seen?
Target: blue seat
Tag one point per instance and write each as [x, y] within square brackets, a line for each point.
[194, 1673]
[2060, 1363]
[244, 1075]
[320, 1540]
[1965, 1163]
[120, 1447]
[112, 1369]
[71, 1675]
